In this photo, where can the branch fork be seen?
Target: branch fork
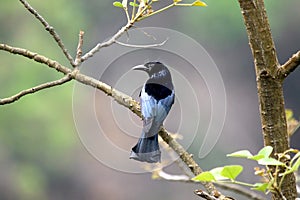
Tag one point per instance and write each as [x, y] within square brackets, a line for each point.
[288, 67]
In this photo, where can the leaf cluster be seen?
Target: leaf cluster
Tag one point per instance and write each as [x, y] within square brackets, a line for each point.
[271, 180]
[142, 9]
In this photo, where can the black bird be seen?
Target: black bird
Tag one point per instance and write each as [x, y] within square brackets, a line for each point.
[156, 98]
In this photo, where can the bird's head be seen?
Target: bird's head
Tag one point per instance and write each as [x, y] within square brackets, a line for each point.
[153, 69]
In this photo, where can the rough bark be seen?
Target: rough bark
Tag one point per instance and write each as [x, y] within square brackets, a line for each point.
[269, 85]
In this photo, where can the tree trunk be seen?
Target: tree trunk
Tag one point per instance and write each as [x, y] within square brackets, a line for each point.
[269, 86]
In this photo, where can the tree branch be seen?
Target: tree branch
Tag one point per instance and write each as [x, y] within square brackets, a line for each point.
[79, 49]
[120, 98]
[205, 195]
[58, 40]
[36, 57]
[288, 67]
[269, 87]
[98, 46]
[43, 86]
[50, 29]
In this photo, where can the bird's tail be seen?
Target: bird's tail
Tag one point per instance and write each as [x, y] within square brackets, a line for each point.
[146, 150]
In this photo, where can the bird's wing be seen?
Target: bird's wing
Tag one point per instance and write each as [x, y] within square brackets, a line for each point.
[148, 107]
[164, 106]
[154, 112]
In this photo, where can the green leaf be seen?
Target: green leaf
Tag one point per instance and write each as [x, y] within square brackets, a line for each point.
[176, 1]
[231, 171]
[257, 157]
[260, 187]
[118, 4]
[295, 157]
[124, 3]
[296, 165]
[216, 172]
[241, 154]
[133, 4]
[198, 3]
[266, 151]
[270, 161]
[204, 176]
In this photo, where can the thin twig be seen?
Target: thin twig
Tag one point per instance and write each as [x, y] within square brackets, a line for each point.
[98, 46]
[147, 34]
[114, 38]
[127, 14]
[288, 67]
[50, 29]
[240, 190]
[107, 43]
[79, 49]
[133, 9]
[142, 45]
[43, 86]
[160, 174]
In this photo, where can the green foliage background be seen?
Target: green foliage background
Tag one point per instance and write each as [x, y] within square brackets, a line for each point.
[41, 156]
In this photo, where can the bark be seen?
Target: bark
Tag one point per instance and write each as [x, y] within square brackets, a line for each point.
[269, 86]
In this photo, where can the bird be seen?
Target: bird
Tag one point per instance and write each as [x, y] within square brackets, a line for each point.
[156, 99]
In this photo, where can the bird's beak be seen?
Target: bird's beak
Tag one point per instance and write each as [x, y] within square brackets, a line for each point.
[141, 67]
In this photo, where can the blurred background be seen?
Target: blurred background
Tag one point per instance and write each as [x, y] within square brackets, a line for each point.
[41, 156]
